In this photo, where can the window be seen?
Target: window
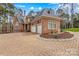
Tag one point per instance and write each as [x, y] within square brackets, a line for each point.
[48, 11]
[28, 20]
[51, 24]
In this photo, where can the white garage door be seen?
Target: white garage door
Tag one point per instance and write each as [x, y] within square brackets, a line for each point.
[33, 28]
[39, 29]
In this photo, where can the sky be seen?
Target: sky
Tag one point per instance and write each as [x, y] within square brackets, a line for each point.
[35, 6]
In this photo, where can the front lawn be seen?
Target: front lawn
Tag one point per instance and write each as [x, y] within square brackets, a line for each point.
[72, 29]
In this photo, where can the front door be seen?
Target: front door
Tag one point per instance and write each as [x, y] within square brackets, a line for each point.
[16, 27]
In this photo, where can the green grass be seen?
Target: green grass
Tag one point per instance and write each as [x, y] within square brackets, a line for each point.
[72, 29]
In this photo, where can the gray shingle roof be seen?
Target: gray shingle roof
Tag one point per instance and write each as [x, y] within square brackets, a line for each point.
[39, 13]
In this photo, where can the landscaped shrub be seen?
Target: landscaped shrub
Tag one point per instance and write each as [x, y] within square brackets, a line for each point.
[63, 35]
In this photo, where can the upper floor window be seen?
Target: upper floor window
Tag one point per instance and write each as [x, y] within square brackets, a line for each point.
[28, 20]
[48, 12]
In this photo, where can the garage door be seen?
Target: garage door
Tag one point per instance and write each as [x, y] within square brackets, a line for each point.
[39, 29]
[33, 28]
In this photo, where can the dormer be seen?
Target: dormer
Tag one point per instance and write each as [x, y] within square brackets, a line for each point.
[48, 12]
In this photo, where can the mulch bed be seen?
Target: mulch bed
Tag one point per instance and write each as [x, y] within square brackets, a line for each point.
[64, 35]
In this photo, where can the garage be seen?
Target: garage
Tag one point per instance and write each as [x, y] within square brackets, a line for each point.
[39, 28]
[33, 28]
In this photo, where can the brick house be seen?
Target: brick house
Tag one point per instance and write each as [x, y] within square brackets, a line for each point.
[18, 25]
[43, 22]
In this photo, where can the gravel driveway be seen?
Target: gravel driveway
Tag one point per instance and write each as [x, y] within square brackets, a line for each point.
[30, 45]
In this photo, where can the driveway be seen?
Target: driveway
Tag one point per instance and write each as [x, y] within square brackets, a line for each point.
[29, 44]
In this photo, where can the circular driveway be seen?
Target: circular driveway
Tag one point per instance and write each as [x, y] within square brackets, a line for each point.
[29, 44]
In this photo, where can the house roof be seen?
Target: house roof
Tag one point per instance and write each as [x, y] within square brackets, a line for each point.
[18, 20]
[39, 15]
[47, 18]
[45, 9]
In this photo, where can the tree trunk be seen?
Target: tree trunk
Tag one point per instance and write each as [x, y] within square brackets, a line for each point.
[72, 15]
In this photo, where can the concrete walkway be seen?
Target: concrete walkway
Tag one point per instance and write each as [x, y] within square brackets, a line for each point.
[29, 44]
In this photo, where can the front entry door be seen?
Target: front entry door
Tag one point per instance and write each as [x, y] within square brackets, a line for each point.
[16, 27]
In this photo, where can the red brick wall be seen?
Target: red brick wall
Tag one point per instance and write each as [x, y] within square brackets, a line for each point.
[4, 28]
[45, 29]
[58, 26]
[44, 26]
[21, 27]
